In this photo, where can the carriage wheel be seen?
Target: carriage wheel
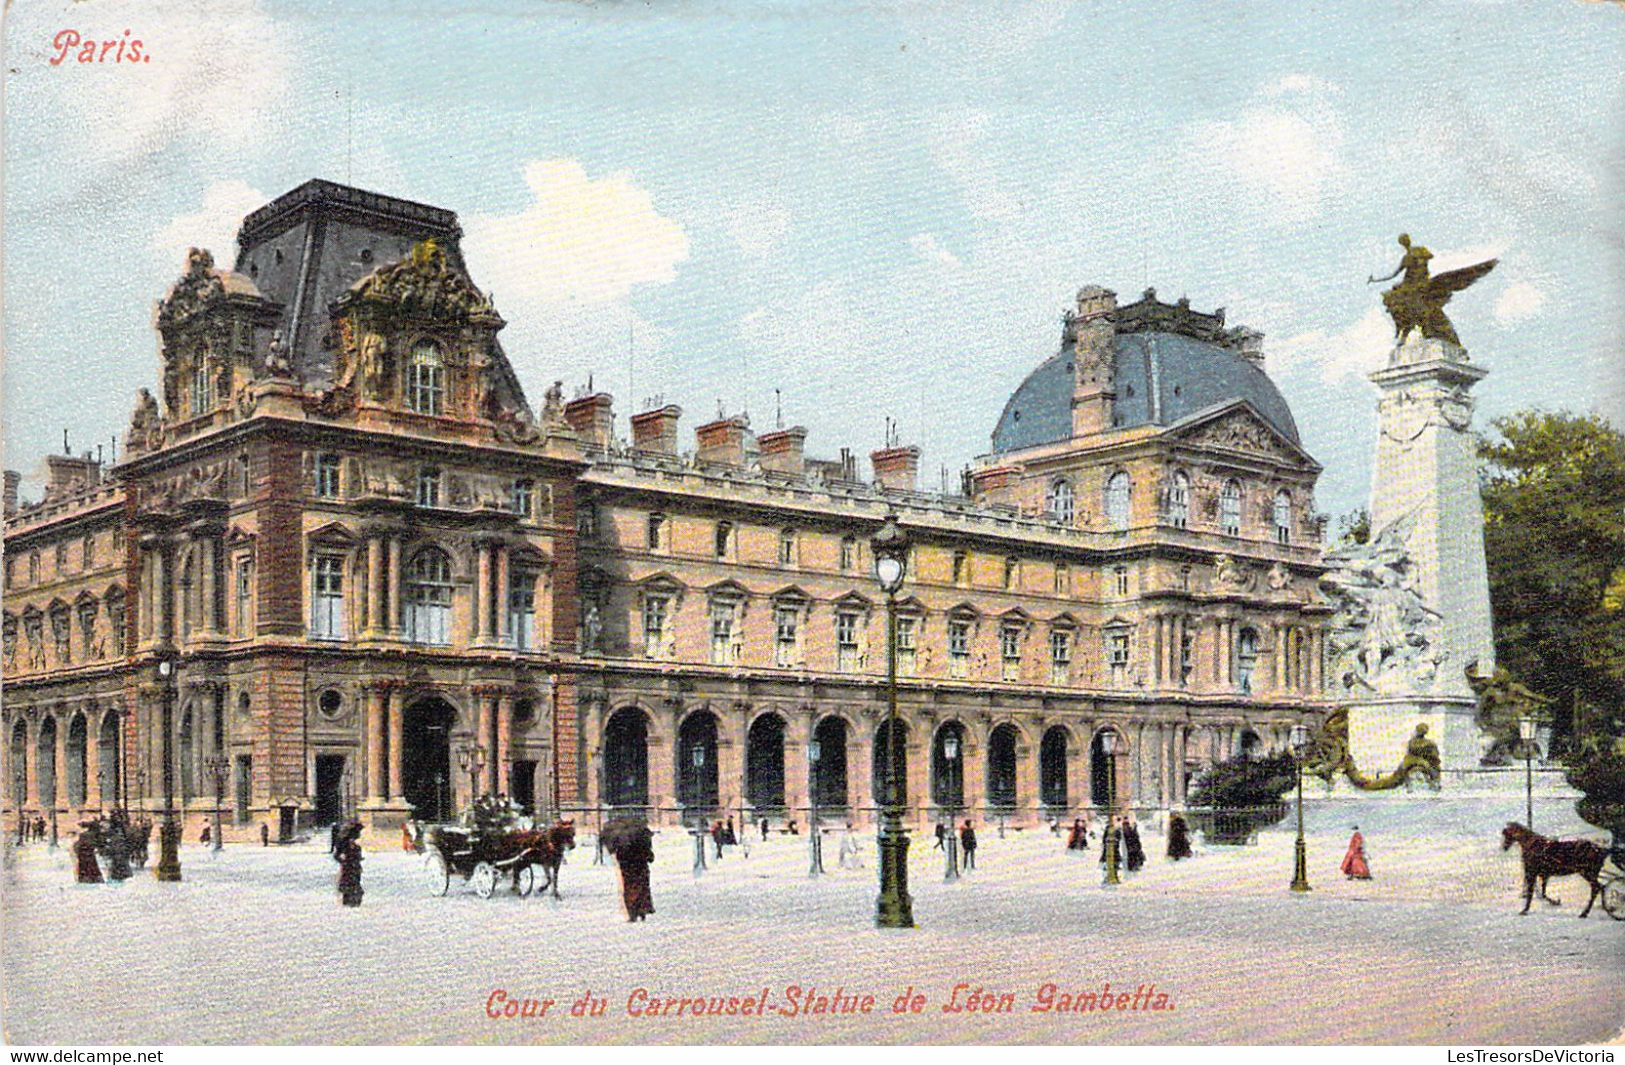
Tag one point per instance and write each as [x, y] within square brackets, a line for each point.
[435, 874]
[1613, 898]
[484, 879]
[525, 880]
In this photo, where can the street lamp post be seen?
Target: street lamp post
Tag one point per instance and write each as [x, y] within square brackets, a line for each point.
[950, 846]
[815, 839]
[169, 858]
[1108, 745]
[1300, 851]
[471, 757]
[1526, 732]
[894, 908]
[218, 766]
[698, 761]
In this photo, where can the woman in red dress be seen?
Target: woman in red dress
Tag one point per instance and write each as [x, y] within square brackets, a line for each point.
[1354, 865]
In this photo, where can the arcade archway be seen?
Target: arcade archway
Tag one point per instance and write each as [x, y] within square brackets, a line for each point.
[625, 768]
[764, 763]
[1002, 792]
[829, 779]
[697, 762]
[425, 754]
[1052, 782]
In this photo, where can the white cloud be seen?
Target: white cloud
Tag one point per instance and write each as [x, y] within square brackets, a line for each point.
[581, 239]
[1348, 353]
[1276, 154]
[757, 229]
[212, 73]
[1518, 301]
[212, 226]
[1299, 83]
[929, 248]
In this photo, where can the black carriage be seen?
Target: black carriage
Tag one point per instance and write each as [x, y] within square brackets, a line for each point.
[481, 856]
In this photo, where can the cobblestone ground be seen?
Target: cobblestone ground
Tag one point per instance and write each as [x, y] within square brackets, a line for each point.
[253, 945]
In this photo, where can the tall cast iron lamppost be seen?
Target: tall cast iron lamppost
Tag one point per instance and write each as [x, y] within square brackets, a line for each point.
[894, 908]
[950, 847]
[218, 766]
[1526, 732]
[815, 839]
[1108, 747]
[169, 834]
[1300, 852]
[472, 760]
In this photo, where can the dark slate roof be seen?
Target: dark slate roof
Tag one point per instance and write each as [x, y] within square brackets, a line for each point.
[1160, 379]
[311, 245]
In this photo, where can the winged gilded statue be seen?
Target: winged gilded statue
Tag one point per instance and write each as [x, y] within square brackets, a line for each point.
[1417, 302]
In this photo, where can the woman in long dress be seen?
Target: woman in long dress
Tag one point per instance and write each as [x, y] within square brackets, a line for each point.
[634, 858]
[1179, 839]
[349, 859]
[1354, 864]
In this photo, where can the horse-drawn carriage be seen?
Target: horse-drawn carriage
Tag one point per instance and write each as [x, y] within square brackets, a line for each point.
[490, 844]
[1545, 858]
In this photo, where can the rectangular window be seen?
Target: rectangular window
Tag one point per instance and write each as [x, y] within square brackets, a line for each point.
[87, 630]
[61, 632]
[907, 647]
[846, 642]
[522, 610]
[523, 500]
[1060, 657]
[1012, 574]
[655, 608]
[958, 648]
[587, 522]
[961, 567]
[33, 567]
[1117, 649]
[327, 475]
[61, 558]
[787, 548]
[849, 553]
[327, 598]
[245, 595]
[656, 537]
[723, 545]
[787, 636]
[1120, 580]
[1063, 579]
[1187, 652]
[428, 487]
[1010, 651]
[115, 623]
[722, 634]
[87, 552]
[202, 389]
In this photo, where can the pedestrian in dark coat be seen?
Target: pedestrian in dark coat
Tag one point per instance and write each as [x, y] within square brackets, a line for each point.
[729, 837]
[1106, 837]
[967, 843]
[764, 830]
[204, 838]
[942, 835]
[1179, 838]
[349, 859]
[1131, 841]
[634, 857]
[265, 834]
[85, 869]
[1077, 839]
[717, 837]
[118, 848]
[334, 834]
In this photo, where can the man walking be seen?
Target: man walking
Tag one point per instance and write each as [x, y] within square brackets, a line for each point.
[967, 843]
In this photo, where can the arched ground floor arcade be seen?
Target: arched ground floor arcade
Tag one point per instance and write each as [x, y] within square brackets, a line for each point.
[707, 747]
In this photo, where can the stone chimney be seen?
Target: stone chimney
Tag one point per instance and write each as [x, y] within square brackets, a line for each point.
[784, 450]
[722, 442]
[14, 484]
[66, 474]
[1095, 363]
[897, 468]
[1252, 345]
[656, 430]
[593, 418]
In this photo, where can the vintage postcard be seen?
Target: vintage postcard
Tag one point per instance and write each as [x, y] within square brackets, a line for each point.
[809, 522]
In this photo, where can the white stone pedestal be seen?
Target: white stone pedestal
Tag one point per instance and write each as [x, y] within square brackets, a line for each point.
[1379, 731]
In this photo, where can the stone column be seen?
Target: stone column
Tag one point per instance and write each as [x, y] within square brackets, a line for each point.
[396, 732]
[395, 616]
[482, 591]
[798, 730]
[376, 699]
[504, 750]
[500, 613]
[917, 755]
[1218, 652]
[1164, 778]
[1029, 778]
[30, 761]
[663, 763]
[93, 759]
[973, 767]
[485, 724]
[1181, 736]
[375, 585]
[60, 776]
[1157, 650]
[860, 767]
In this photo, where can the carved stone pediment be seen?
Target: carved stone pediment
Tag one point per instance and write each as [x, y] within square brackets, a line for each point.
[1241, 430]
[425, 285]
[197, 289]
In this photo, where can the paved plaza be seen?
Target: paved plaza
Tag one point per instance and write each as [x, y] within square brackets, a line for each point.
[254, 946]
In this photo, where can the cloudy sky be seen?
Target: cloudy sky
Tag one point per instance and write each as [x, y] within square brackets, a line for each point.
[879, 210]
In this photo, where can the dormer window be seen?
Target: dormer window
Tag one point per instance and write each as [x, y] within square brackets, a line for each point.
[1179, 500]
[1118, 488]
[426, 380]
[1283, 517]
[1061, 501]
[202, 389]
[1230, 509]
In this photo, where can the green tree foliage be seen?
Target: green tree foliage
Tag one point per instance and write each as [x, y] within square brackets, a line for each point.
[1246, 793]
[1354, 527]
[1554, 536]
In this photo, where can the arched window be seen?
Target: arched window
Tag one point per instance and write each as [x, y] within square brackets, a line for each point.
[1179, 500]
[1118, 489]
[1283, 517]
[787, 547]
[1061, 504]
[426, 380]
[1246, 658]
[202, 389]
[428, 597]
[1230, 509]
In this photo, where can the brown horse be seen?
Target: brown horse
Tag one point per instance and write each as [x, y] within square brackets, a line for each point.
[1543, 858]
[547, 847]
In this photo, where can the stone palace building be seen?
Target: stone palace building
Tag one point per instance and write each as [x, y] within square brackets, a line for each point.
[384, 579]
